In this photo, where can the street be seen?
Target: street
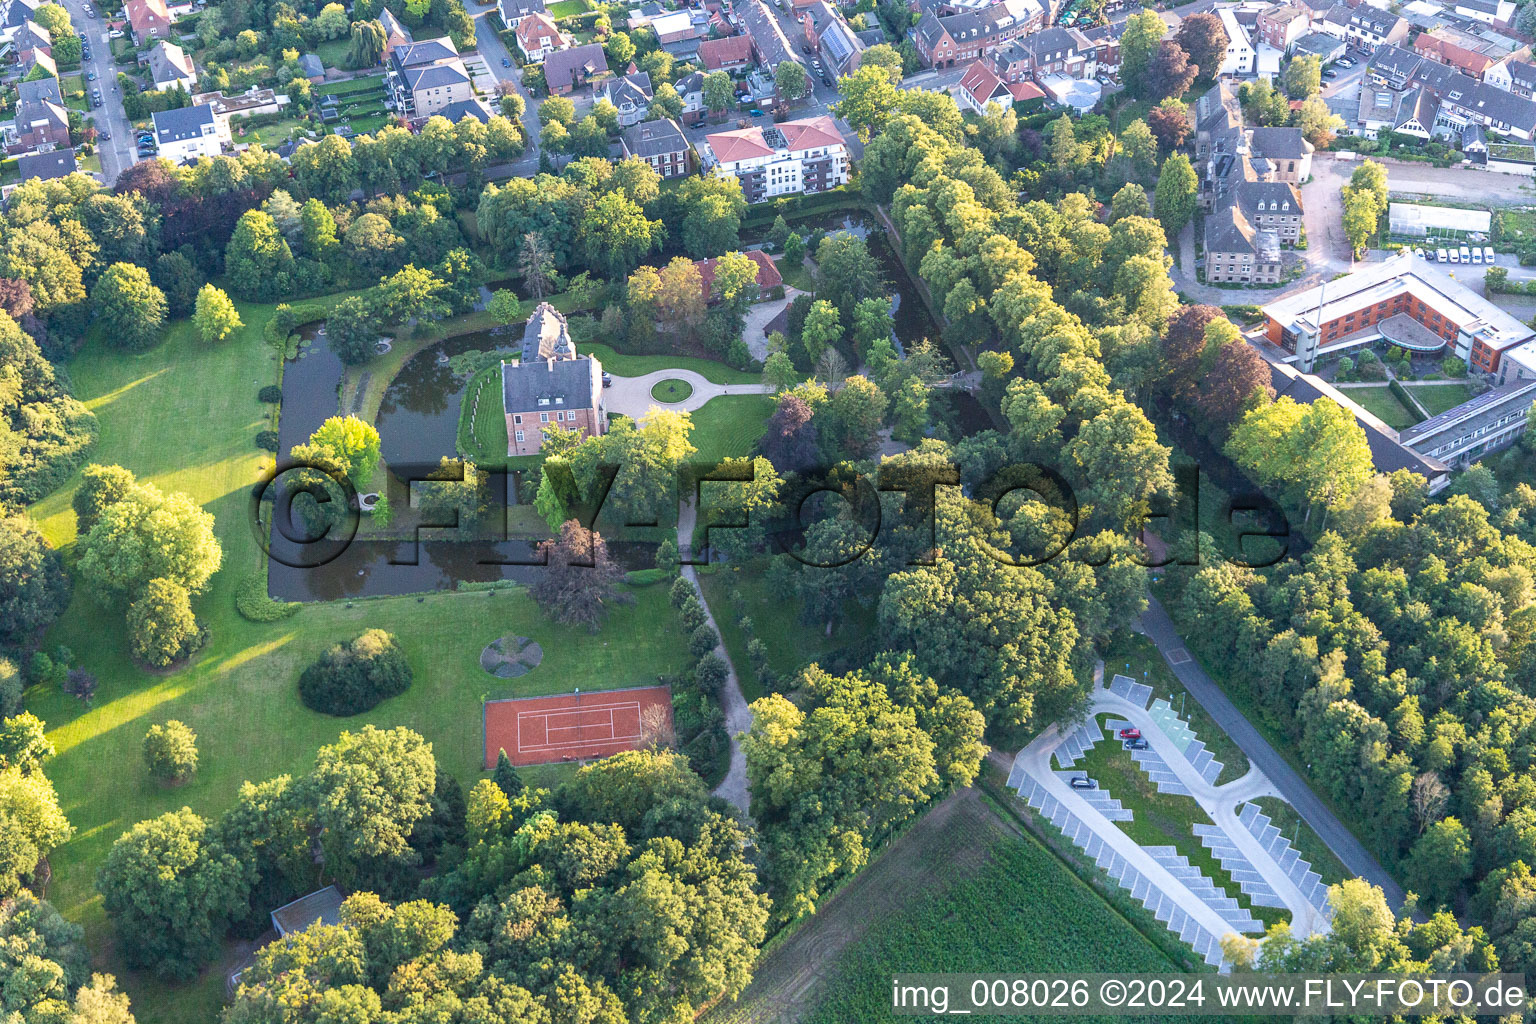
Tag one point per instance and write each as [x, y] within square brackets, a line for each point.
[489, 43]
[118, 152]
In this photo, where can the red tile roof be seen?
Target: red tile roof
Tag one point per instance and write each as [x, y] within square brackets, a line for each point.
[740, 144]
[811, 132]
[768, 276]
[148, 15]
[722, 53]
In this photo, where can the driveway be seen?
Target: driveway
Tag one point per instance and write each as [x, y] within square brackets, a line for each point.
[117, 153]
[1291, 786]
[631, 396]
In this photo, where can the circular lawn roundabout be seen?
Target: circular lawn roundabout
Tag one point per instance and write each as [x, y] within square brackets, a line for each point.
[671, 391]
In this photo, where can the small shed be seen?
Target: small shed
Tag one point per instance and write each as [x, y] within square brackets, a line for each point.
[323, 906]
[312, 68]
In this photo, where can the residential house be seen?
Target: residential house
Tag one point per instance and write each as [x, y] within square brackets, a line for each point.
[538, 37]
[186, 133]
[982, 85]
[31, 38]
[676, 26]
[474, 107]
[170, 66]
[1238, 252]
[1217, 114]
[1241, 54]
[690, 89]
[730, 53]
[514, 11]
[426, 76]
[828, 34]
[944, 41]
[42, 120]
[1485, 11]
[659, 143]
[38, 59]
[770, 46]
[395, 34]
[1409, 113]
[1281, 26]
[550, 384]
[312, 68]
[1516, 76]
[807, 155]
[569, 69]
[14, 15]
[1438, 46]
[1105, 40]
[1454, 100]
[1288, 152]
[1324, 47]
[242, 104]
[1249, 185]
[149, 20]
[1059, 51]
[768, 276]
[630, 94]
[57, 163]
[1365, 27]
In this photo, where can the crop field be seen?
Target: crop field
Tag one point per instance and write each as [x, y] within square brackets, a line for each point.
[962, 890]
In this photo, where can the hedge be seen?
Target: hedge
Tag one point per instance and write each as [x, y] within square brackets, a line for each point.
[252, 602]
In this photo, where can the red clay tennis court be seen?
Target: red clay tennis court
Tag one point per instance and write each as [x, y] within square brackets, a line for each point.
[571, 726]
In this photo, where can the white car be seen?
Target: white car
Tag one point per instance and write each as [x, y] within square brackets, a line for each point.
[1488, 254]
[1441, 257]
[1477, 255]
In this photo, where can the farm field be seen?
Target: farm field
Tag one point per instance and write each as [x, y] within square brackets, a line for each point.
[962, 890]
[238, 694]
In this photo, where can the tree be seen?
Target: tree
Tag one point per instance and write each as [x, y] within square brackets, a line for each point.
[23, 743]
[868, 99]
[616, 235]
[1169, 73]
[55, 19]
[1263, 104]
[149, 535]
[367, 49]
[847, 272]
[719, 92]
[665, 103]
[791, 81]
[1304, 76]
[132, 308]
[505, 776]
[161, 626]
[353, 330]
[557, 108]
[1440, 861]
[1130, 201]
[169, 892]
[884, 55]
[179, 278]
[216, 317]
[1138, 148]
[31, 826]
[1362, 216]
[344, 445]
[1318, 124]
[1205, 40]
[1371, 177]
[1174, 198]
[170, 752]
[317, 231]
[1169, 122]
[822, 329]
[1143, 32]
[1237, 373]
[327, 170]
[257, 260]
[712, 211]
[620, 50]
[331, 22]
[355, 676]
[34, 588]
[45, 961]
[579, 579]
[372, 787]
[1067, 153]
[536, 264]
[100, 486]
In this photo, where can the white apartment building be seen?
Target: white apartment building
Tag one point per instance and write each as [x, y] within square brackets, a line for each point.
[779, 160]
[1241, 54]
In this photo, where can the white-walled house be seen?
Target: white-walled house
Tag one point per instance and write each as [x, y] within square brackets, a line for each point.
[779, 160]
[1240, 51]
[187, 133]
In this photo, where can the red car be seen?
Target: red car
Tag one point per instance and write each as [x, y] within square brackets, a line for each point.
[1130, 734]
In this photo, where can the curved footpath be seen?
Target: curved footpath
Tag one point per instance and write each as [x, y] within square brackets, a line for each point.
[1159, 628]
[631, 396]
[738, 717]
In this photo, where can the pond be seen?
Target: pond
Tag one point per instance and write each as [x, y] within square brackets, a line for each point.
[910, 316]
[418, 421]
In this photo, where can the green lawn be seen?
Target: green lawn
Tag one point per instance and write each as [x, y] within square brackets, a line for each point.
[1162, 819]
[622, 364]
[183, 416]
[671, 390]
[1384, 405]
[729, 426]
[270, 135]
[1312, 849]
[566, 8]
[72, 87]
[333, 52]
[736, 591]
[363, 85]
[485, 439]
[1437, 398]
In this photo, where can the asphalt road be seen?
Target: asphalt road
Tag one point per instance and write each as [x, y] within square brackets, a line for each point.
[118, 152]
[1160, 630]
[490, 46]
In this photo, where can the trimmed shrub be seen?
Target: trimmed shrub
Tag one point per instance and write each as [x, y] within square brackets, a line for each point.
[271, 394]
[170, 751]
[253, 604]
[267, 440]
[353, 677]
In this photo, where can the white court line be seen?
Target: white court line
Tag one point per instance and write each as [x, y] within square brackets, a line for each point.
[546, 715]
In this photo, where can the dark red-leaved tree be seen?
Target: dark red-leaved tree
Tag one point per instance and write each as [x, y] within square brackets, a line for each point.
[790, 442]
[1170, 125]
[1205, 41]
[1238, 371]
[1182, 349]
[152, 179]
[1170, 73]
[580, 580]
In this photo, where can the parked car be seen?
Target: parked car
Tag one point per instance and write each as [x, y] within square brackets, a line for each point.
[1345, 62]
[1330, 73]
[1083, 782]
[1130, 733]
[1488, 254]
[755, 112]
[1466, 255]
[1455, 254]
[116, 33]
[1440, 256]
[1477, 255]
[1136, 745]
[90, 76]
[506, 62]
[607, 379]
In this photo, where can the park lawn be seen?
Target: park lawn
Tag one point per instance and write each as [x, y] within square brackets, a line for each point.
[333, 52]
[671, 390]
[622, 364]
[1438, 398]
[729, 426]
[272, 135]
[791, 644]
[368, 124]
[183, 416]
[1134, 655]
[482, 433]
[1162, 819]
[1380, 402]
